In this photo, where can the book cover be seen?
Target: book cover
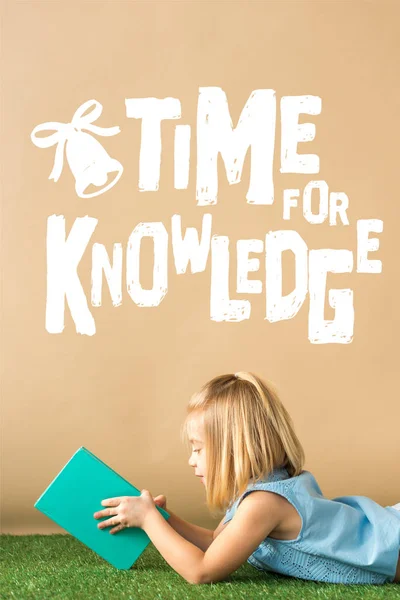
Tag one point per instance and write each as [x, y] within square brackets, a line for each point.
[76, 493]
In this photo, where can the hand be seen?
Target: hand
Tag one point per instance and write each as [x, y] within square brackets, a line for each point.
[161, 501]
[125, 511]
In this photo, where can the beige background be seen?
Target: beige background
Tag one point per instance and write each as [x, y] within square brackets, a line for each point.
[122, 392]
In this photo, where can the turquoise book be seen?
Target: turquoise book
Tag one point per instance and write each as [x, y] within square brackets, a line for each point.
[75, 495]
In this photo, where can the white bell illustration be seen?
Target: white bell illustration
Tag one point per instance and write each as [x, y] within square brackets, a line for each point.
[89, 162]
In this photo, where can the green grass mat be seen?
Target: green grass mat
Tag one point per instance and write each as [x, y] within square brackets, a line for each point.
[59, 567]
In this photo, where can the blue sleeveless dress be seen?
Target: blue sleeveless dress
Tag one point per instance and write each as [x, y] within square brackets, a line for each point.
[350, 539]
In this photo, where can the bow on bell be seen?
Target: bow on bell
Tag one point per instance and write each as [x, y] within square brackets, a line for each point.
[65, 131]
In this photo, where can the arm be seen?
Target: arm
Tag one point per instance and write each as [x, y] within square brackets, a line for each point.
[199, 536]
[257, 515]
[183, 556]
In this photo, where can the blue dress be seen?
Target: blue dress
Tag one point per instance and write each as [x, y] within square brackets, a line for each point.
[350, 539]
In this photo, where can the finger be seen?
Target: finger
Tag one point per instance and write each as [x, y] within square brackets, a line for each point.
[107, 512]
[110, 502]
[108, 523]
[116, 529]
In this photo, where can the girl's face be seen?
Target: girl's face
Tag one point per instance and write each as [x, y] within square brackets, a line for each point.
[198, 456]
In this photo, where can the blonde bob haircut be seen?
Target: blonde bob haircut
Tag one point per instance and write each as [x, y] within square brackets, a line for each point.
[248, 433]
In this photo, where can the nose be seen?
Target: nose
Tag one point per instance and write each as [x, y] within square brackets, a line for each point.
[191, 461]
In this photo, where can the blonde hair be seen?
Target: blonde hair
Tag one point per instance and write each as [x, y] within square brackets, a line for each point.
[248, 433]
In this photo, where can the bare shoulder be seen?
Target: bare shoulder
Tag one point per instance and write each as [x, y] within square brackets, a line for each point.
[260, 507]
[252, 522]
[266, 499]
[265, 507]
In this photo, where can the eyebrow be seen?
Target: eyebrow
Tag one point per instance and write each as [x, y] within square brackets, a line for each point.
[194, 440]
